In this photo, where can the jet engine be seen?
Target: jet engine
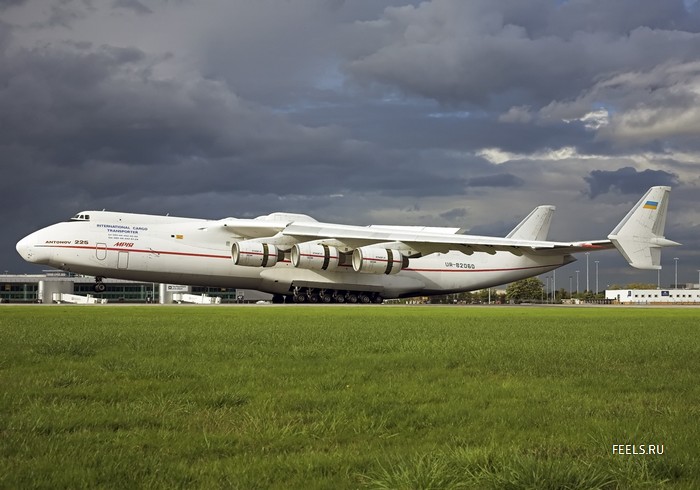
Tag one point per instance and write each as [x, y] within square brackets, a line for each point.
[316, 257]
[255, 254]
[377, 260]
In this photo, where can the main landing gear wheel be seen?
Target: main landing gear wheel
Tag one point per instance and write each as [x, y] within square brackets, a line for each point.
[99, 286]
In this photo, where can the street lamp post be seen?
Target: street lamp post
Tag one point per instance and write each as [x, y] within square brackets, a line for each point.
[576, 282]
[596, 276]
[587, 283]
[675, 285]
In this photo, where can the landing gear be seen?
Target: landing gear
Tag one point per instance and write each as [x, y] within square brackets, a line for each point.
[99, 286]
[326, 296]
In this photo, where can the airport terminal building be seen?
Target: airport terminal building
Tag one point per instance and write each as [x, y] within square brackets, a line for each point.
[655, 296]
[41, 288]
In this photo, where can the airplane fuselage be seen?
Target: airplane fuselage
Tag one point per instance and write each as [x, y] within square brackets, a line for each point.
[195, 252]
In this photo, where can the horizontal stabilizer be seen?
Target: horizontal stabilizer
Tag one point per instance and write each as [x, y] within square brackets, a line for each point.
[640, 235]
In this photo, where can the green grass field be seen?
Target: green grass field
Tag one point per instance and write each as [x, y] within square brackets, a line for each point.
[348, 397]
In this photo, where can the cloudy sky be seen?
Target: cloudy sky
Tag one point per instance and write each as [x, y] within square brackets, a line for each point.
[445, 112]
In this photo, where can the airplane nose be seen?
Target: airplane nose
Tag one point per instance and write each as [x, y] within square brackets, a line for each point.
[25, 247]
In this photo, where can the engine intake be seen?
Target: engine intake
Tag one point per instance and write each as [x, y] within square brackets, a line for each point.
[377, 260]
[250, 253]
[316, 257]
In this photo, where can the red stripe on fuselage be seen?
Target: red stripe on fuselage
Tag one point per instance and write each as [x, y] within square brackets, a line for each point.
[139, 250]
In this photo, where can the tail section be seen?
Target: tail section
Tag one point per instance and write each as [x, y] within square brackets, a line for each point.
[535, 226]
[640, 235]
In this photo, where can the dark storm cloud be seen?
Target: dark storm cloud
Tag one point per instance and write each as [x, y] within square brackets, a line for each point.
[488, 52]
[100, 115]
[627, 180]
[454, 214]
[133, 5]
[10, 3]
[497, 180]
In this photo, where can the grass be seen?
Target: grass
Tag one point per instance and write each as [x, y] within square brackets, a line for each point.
[347, 397]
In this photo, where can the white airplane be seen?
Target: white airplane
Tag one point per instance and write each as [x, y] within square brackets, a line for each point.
[299, 259]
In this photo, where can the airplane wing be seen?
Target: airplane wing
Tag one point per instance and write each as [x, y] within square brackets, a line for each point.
[426, 243]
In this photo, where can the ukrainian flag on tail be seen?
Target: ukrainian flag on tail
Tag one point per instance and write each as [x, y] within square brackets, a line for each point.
[651, 204]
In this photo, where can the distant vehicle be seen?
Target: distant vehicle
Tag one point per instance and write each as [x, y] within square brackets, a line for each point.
[298, 259]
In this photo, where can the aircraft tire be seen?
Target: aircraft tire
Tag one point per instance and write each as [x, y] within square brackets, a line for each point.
[99, 287]
[339, 298]
[314, 298]
[326, 298]
[377, 299]
[351, 297]
[299, 298]
[364, 299]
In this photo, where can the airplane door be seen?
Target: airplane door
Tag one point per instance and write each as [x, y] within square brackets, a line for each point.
[123, 260]
[101, 251]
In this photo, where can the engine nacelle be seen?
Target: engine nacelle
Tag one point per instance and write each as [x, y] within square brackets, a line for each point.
[315, 256]
[250, 253]
[377, 260]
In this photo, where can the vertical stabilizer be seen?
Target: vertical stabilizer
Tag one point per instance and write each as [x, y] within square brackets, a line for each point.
[535, 226]
[640, 235]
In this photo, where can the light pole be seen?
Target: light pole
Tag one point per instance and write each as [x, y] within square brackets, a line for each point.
[570, 284]
[596, 276]
[676, 277]
[587, 284]
[576, 282]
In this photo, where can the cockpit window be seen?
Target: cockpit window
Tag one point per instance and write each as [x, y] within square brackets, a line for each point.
[81, 217]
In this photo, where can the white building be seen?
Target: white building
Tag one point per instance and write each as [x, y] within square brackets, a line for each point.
[654, 296]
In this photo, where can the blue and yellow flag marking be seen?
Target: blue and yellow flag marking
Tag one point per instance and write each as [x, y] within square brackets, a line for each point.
[651, 204]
